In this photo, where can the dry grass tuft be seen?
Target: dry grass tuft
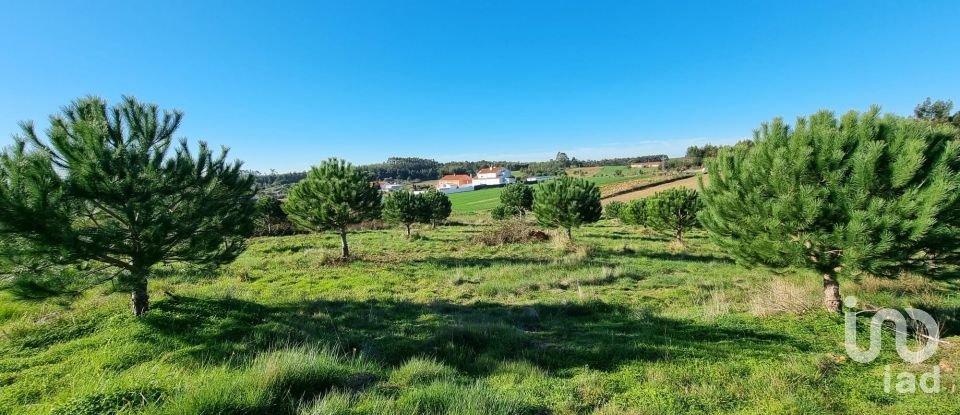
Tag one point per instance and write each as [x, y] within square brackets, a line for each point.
[907, 284]
[782, 296]
[717, 304]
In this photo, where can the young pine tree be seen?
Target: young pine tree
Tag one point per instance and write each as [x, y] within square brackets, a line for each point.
[269, 214]
[635, 212]
[614, 210]
[105, 187]
[438, 204]
[517, 198]
[861, 194]
[406, 208]
[334, 195]
[673, 211]
[567, 202]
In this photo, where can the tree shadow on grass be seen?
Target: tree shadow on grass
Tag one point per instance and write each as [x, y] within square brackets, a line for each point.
[470, 337]
[602, 253]
[481, 262]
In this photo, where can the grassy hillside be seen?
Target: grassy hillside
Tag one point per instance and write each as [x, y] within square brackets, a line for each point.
[622, 322]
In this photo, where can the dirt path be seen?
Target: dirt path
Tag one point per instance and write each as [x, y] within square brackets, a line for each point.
[690, 182]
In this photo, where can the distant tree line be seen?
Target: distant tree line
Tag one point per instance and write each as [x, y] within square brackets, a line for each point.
[404, 168]
[415, 168]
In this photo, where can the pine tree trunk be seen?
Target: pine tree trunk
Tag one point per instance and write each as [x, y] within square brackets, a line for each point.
[570, 234]
[344, 248]
[831, 293]
[139, 298]
[408, 231]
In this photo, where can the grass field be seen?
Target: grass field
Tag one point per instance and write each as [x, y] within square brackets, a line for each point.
[622, 322]
[477, 200]
[486, 199]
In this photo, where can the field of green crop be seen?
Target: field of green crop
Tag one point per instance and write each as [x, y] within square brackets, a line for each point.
[623, 321]
[477, 200]
[486, 199]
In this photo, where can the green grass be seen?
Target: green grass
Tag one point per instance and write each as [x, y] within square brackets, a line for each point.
[621, 322]
[489, 198]
[477, 200]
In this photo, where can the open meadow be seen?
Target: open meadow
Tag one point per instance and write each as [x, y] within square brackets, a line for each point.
[623, 321]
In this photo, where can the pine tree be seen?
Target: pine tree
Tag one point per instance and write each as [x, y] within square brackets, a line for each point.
[567, 202]
[334, 195]
[863, 194]
[438, 204]
[104, 187]
[405, 208]
[635, 212]
[269, 212]
[501, 212]
[614, 210]
[517, 198]
[673, 211]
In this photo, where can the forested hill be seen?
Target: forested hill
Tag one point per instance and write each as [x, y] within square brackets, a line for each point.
[415, 168]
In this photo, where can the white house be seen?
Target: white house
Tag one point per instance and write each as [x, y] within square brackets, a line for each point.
[493, 176]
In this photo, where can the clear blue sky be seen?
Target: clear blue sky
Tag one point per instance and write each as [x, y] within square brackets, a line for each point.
[286, 85]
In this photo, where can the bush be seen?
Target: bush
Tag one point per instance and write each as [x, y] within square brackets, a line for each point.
[511, 232]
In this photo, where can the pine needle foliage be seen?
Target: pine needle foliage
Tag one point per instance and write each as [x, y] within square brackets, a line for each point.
[635, 212]
[865, 193]
[105, 187]
[672, 211]
[405, 208]
[333, 196]
[438, 204]
[567, 202]
[517, 198]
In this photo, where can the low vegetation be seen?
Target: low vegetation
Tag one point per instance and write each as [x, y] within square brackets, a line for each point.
[644, 313]
[620, 323]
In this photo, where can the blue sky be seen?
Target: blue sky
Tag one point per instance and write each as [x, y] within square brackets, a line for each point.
[286, 85]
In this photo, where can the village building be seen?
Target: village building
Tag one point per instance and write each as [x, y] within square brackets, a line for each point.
[494, 176]
[454, 183]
